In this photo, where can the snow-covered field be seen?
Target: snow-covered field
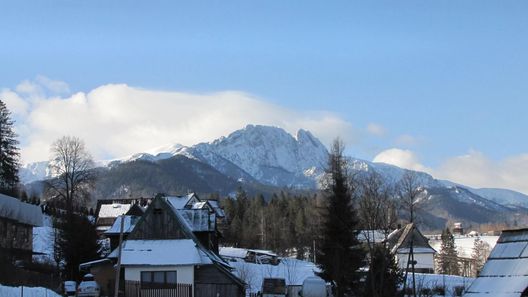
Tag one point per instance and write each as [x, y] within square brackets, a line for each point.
[431, 281]
[464, 244]
[26, 291]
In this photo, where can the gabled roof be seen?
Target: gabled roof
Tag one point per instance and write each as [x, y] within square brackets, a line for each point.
[182, 222]
[195, 212]
[216, 207]
[181, 202]
[400, 240]
[16, 210]
[505, 273]
[113, 210]
[161, 253]
[128, 225]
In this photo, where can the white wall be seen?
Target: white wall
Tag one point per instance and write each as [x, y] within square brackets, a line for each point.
[184, 274]
[425, 260]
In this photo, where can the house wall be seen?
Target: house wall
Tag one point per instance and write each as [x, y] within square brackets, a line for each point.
[184, 273]
[14, 235]
[424, 262]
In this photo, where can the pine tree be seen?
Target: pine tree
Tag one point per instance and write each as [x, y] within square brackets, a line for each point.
[75, 243]
[481, 251]
[448, 256]
[384, 272]
[9, 153]
[340, 255]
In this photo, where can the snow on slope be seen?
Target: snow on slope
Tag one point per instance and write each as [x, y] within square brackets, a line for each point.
[270, 155]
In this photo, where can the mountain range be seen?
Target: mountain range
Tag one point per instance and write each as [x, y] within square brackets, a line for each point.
[263, 159]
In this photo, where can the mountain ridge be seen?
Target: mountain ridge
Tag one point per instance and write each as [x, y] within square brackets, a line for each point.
[267, 158]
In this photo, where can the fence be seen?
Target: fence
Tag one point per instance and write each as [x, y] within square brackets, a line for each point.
[135, 289]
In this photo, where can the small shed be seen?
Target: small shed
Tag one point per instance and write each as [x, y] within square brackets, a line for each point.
[505, 274]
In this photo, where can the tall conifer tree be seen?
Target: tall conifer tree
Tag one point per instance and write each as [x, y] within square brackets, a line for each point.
[9, 153]
[448, 256]
[340, 255]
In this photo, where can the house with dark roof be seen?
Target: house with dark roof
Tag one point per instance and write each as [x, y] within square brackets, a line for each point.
[400, 241]
[505, 273]
[17, 220]
[172, 243]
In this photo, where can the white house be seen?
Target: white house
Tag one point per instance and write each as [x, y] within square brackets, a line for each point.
[400, 244]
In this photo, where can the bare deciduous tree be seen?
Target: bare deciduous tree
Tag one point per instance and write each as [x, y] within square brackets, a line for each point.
[377, 213]
[70, 164]
[409, 192]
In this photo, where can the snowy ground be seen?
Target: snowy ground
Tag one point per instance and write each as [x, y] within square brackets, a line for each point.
[292, 270]
[431, 281]
[27, 292]
[43, 241]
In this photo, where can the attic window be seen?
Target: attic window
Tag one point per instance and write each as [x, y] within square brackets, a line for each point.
[157, 210]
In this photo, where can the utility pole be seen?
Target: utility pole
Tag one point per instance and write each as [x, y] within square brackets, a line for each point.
[118, 270]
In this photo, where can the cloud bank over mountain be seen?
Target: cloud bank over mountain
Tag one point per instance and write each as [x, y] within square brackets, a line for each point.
[117, 120]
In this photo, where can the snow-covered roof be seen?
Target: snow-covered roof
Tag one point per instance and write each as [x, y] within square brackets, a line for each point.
[372, 235]
[181, 202]
[292, 270]
[128, 224]
[233, 252]
[161, 253]
[113, 210]
[241, 253]
[505, 274]
[216, 207]
[24, 213]
[401, 239]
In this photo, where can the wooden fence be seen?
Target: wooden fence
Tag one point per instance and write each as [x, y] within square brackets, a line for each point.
[135, 289]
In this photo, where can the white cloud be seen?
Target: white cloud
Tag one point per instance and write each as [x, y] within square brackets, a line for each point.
[473, 169]
[376, 129]
[477, 170]
[401, 158]
[118, 120]
[42, 86]
[14, 102]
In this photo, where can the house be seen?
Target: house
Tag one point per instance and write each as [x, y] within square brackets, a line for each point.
[17, 220]
[172, 244]
[250, 255]
[129, 222]
[505, 273]
[107, 214]
[400, 241]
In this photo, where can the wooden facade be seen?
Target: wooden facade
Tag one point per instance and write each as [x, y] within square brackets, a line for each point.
[211, 280]
[159, 222]
[162, 221]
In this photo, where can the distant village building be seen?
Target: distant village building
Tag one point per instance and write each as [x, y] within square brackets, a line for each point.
[399, 242]
[17, 220]
[250, 255]
[457, 229]
[505, 273]
[173, 244]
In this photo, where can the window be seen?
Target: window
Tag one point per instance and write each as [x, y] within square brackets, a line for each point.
[158, 279]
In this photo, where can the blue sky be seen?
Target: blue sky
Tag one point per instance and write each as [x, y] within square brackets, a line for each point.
[438, 81]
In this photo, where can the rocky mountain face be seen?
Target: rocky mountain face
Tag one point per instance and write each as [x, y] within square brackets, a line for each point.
[263, 159]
